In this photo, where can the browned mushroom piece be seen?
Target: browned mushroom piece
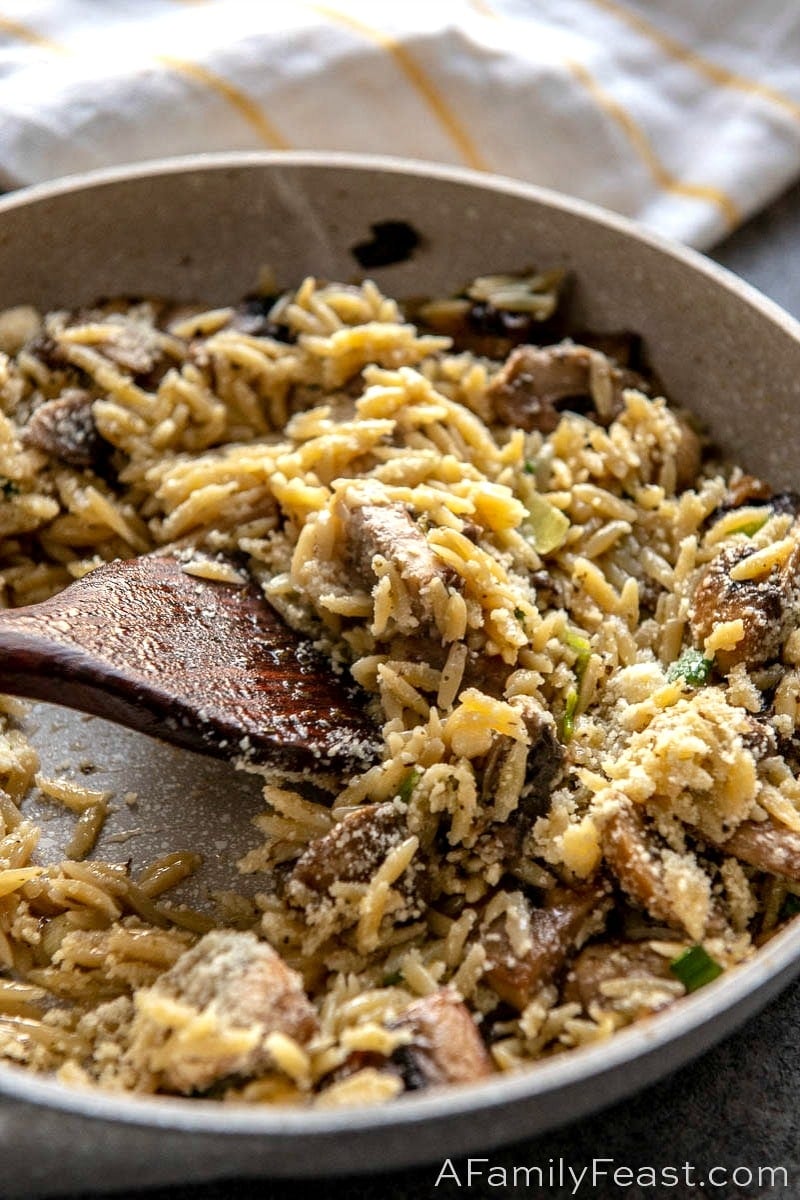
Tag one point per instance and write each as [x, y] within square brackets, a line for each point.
[759, 738]
[64, 428]
[634, 859]
[387, 530]
[532, 774]
[746, 489]
[135, 345]
[544, 765]
[765, 845]
[445, 1045]
[768, 607]
[635, 862]
[503, 842]
[47, 350]
[232, 984]
[536, 384]
[600, 963]
[688, 456]
[252, 317]
[555, 931]
[551, 592]
[351, 853]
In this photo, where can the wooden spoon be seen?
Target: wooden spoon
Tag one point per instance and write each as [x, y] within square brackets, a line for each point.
[209, 666]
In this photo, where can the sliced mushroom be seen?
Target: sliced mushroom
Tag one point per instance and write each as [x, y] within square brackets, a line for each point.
[745, 489]
[765, 845]
[635, 859]
[751, 491]
[502, 843]
[785, 504]
[135, 345]
[208, 1016]
[554, 932]
[545, 761]
[768, 607]
[760, 738]
[351, 853]
[387, 530]
[536, 384]
[445, 1047]
[600, 963]
[64, 428]
[635, 862]
[550, 591]
[530, 771]
[488, 673]
[687, 456]
[252, 317]
[47, 350]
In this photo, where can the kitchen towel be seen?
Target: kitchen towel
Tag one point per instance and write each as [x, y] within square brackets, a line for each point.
[682, 114]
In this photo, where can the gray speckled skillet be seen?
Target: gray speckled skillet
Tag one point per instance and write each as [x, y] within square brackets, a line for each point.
[200, 228]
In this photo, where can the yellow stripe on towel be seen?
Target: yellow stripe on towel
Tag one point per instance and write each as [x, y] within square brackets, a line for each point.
[425, 88]
[245, 105]
[638, 139]
[24, 33]
[704, 66]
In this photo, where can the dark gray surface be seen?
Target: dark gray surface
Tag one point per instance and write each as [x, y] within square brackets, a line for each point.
[766, 252]
[736, 1106]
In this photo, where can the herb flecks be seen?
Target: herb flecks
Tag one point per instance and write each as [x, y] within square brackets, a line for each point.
[695, 968]
[692, 668]
[410, 781]
[568, 719]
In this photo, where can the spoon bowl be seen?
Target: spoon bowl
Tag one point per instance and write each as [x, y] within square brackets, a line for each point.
[206, 665]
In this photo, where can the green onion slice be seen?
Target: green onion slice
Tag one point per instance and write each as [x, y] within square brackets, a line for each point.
[583, 651]
[695, 968]
[409, 783]
[568, 720]
[749, 528]
[692, 667]
[546, 526]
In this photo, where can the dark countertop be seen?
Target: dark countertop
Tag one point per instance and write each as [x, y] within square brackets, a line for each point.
[734, 1107]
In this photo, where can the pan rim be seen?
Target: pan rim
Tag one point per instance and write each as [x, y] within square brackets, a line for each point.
[713, 1009]
[776, 963]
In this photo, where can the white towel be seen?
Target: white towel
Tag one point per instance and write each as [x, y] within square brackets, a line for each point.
[685, 115]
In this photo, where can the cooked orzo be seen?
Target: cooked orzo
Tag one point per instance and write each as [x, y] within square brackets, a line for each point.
[579, 635]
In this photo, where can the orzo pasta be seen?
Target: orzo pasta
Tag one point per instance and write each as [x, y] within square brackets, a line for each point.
[579, 635]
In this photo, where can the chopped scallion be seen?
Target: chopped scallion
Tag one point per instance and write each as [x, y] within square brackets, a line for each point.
[568, 720]
[692, 667]
[409, 783]
[393, 979]
[791, 906]
[749, 528]
[546, 526]
[695, 968]
[583, 651]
